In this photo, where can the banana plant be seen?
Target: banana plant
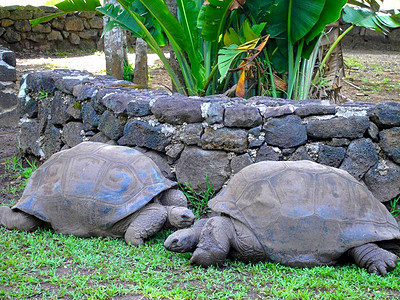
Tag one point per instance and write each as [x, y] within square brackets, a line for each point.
[185, 33]
[365, 14]
[297, 26]
[247, 41]
[364, 17]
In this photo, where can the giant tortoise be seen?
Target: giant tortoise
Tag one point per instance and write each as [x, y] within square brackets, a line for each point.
[96, 189]
[299, 214]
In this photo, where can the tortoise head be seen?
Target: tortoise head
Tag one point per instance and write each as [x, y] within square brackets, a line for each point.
[180, 217]
[185, 240]
[182, 241]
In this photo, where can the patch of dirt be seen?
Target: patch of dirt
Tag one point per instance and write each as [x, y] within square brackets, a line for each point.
[371, 76]
[8, 149]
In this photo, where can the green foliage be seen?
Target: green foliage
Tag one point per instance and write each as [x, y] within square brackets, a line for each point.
[351, 63]
[43, 95]
[68, 6]
[128, 17]
[77, 105]
[129, 71]
[16, 167]
[297, 26]
[367, 18]
[212, 18]
[394, 206]
[19, 171]
[204, 35]
[198, 200]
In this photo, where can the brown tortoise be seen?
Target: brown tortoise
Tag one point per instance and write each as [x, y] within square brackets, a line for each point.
[299, 214]
[95, 189]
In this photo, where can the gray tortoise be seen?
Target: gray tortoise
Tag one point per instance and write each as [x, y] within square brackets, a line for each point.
[300, 214]
[96, 189]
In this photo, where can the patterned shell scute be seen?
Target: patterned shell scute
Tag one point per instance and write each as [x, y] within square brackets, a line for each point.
[303, 212]
[92, 185]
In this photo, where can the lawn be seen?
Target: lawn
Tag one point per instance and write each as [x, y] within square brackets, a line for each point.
[44, 265]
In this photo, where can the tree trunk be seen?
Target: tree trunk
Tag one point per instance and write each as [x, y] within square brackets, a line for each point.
[114, 49]
[171, 4]
[141, 70]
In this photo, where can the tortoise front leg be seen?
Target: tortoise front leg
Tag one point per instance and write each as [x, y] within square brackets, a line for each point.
[215, 242]
[373, 258]
[18, 220]
[145, 223]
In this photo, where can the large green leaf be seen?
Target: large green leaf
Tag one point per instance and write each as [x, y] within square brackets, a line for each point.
[47, 18]
[388, 21]
[67, 6]
[121, 18]
[369, 4]
[177, 35]
[168, 22]
[212, 18]
[78, 5]
[259, 10]
[226, 56]
[148, 20]
[188, 13]
[369, 19]
[330, 13]
[296, 17]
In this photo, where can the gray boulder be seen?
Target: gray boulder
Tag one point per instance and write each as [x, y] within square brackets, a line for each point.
[383, 180]
[285, 132]
[195, 163]
[390, 143]
[361, 155]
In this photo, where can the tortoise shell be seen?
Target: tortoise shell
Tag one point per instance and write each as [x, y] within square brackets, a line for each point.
[304, 213]
[85, 190]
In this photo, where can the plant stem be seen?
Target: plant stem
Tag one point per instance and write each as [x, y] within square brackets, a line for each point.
[307, 72]
[210, 77]
[294, 67]
[271, 73]
[328, 54]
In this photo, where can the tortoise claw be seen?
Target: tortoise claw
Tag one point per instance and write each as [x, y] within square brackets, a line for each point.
[374, 259]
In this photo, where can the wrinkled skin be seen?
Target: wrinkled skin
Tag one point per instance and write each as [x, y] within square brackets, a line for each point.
[212, 240]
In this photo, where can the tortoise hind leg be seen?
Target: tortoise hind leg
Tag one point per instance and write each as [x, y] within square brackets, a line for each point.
[373, 258]
[18, 220]
[145, 223]
[215, 242]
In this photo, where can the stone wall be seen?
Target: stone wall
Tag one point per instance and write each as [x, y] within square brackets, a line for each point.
[65, 33]
[8, 99]
[362, 38]
[190, 137]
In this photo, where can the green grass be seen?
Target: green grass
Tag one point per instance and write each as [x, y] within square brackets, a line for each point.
[395, 206]
[129, 71]
[18, 171]
[44, 265]
[198, 200]
[374, 79]
[353, 63]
